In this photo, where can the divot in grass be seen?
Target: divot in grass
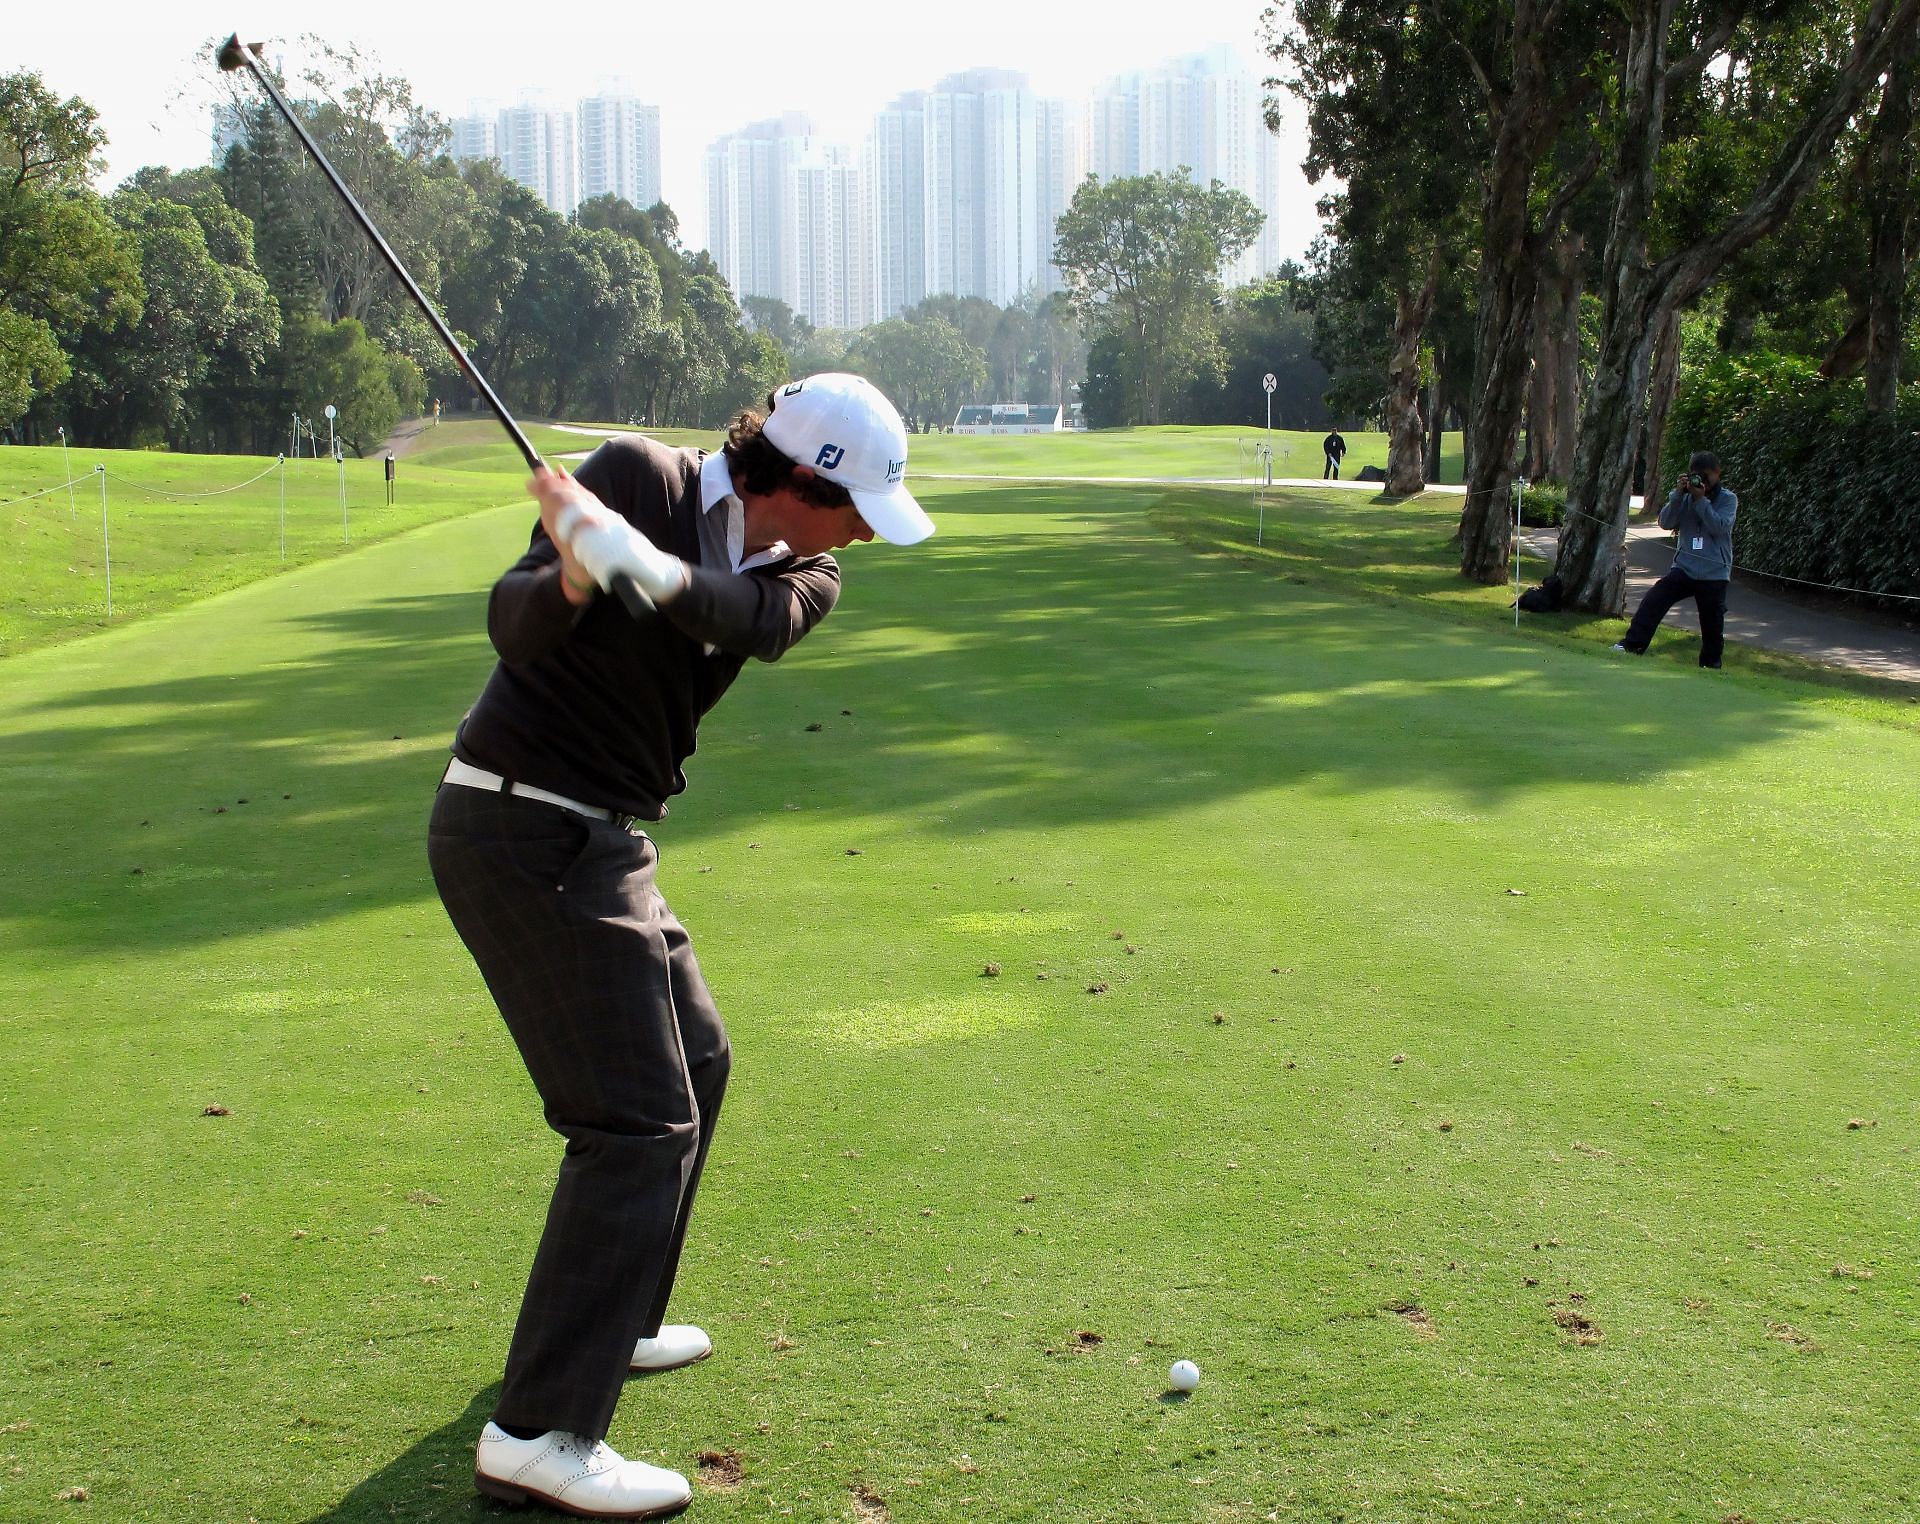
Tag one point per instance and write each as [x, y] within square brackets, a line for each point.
[719, 1470]
[1577, 1325]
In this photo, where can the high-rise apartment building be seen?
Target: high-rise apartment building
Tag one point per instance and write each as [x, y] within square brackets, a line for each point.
[747, 196]
[229, 130]
[966, 182]
[535, 146]
[830, 255]
[619, 140]
[787, 218]
[1202, 113]
[473, 138]
[1060, 136]
[896, 173]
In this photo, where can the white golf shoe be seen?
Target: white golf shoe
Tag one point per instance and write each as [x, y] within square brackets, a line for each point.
[676, 1344]
[576, 1475]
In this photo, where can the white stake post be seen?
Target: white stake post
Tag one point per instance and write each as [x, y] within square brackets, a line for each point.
[283, 507]
[106, 544]
[1269, 381]
[340, 468]
[66, 470]
[1519, 496]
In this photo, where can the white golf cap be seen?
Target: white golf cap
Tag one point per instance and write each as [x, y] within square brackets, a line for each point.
[846, 430]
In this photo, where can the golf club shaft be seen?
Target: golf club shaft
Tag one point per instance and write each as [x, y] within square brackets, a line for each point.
[628, 590]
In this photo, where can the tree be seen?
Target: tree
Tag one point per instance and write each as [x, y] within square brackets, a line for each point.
[1390, 113]
[1142, 255]
[138, 386]
[388, 149]
[63, 262]
[486, 297]
[926, 365]
[1263, 330]
[1056, 350]
[1534, 63]
[1642, 293]
[774, 318]
[337, 363]
[595, 295]
[232, 406]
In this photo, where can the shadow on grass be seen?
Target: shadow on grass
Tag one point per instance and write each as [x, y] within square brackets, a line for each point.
[433, 1480]
[1051, 677]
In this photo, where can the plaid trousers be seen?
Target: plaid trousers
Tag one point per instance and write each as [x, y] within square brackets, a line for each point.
[598, 985]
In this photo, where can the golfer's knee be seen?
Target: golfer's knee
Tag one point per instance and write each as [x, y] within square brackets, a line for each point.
[633, 1158]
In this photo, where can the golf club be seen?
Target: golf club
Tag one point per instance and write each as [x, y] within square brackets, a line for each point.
[234, 54]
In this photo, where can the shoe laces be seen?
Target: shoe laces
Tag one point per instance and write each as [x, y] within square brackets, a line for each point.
[593, 1451]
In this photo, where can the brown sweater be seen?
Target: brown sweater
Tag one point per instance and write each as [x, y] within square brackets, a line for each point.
[599, 706]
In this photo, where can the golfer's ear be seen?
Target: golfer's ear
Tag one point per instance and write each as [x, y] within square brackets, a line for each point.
[803, 473]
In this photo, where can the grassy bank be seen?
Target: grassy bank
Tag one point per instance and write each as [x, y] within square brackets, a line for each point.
[1366, 1029]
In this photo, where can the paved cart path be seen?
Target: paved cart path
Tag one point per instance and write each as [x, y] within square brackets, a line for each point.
[1880, 647]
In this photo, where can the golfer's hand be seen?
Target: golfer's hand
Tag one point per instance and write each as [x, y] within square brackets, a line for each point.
[603, 544]
[554, 490]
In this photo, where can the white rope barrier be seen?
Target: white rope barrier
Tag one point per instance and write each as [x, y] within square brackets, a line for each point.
[184, 497]
[44, 492]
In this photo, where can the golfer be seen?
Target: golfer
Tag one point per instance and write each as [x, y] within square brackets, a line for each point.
[1336, 449]
[1700, 512]
[541, 856]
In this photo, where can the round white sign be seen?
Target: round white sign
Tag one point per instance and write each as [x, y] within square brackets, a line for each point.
[1270, 381]
[330, 412]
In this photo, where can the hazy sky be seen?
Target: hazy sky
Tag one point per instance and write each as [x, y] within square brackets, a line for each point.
[151, 76]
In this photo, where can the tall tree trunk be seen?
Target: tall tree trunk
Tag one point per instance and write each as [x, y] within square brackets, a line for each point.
[1639, 296]
[1413, 310]
[1591, 561]
[1849, 351]
[1665, 383]
[1436, 422]
[1502, 342]
[1526, 124]
[1566, 385]
[1892, 154]
[1540, 410]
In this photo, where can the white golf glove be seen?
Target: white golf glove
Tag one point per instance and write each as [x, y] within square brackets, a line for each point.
[605, 545]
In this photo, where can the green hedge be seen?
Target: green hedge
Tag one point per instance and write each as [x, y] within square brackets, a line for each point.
[1829, 492]
[1544, 505]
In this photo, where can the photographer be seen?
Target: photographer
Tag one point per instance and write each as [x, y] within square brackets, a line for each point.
[1700, 512]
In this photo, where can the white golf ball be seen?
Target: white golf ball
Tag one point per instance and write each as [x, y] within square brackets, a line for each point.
[1184, 1376]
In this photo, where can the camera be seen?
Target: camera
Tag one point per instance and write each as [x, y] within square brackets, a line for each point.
[1695, 479]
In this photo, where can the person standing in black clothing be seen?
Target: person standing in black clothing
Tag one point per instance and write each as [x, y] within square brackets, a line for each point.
[1336, 449]
[540, 855]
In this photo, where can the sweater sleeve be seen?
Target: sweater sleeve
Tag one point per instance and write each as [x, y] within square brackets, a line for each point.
[1719, 509]
[528, 614]
[756, 614]
[1670, 509]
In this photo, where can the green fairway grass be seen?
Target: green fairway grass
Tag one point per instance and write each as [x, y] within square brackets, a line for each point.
[1404, 550]
[1174, 450]
[1471, 1087]
[178, 530]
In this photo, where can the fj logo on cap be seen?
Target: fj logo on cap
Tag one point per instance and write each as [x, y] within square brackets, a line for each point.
[895, 470]
[793, 389]
[830, 456]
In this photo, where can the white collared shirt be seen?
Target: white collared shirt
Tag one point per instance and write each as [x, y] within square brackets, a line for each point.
[717, 495]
